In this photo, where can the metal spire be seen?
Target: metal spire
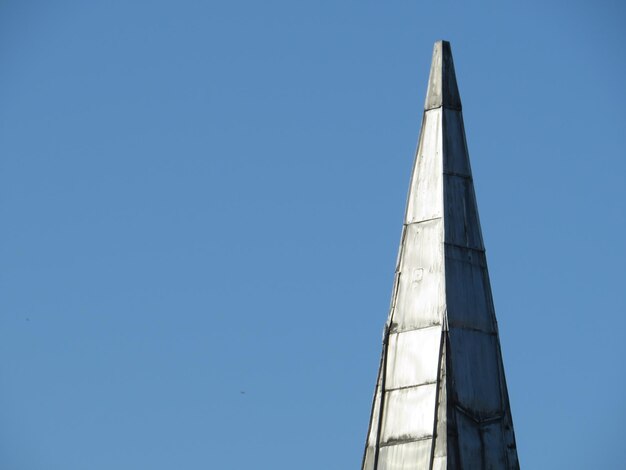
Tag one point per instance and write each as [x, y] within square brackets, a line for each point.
[441, 400]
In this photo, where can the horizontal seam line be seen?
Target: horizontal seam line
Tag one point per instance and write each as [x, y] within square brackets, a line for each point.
[476, 419]
[410, 386]
[458, 175]
[405, 441]
[479, 250]
[470, 328]
[446, 106]
[414, 329]
[421, 221]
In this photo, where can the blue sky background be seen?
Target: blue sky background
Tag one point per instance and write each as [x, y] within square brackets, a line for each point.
[201, 204]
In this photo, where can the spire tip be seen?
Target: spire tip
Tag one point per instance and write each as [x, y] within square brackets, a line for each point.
[442, 86]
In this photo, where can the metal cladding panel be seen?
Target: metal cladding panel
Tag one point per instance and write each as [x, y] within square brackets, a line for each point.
[462, 226]
[442, 88]
[509, 440]
[413, 357]
[370, 456]
[420, 293]
[372, 436]
[441, 433]
[455, 157]
[425, 193]
[440, 463]
[494, 446]
[469, 443]
[468, 293]
[406, 456]
[475, 369]
[452, 458]
[409, 413]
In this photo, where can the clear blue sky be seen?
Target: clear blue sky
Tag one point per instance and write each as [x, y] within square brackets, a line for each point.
[201, 203]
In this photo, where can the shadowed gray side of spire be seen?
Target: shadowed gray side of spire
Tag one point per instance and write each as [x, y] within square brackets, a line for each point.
[441, 400]
[478, 417]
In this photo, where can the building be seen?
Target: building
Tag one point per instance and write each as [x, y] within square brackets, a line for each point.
[441, 399]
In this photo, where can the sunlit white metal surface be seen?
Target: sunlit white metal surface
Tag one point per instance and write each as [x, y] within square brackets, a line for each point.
[441, 400]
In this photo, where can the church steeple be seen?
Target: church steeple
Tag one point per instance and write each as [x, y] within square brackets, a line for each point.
[441, 400]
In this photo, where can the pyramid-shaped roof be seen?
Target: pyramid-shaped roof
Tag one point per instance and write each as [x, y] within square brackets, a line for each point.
[441, 400]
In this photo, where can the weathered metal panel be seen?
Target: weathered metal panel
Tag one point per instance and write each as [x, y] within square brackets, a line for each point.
[441, 425]
[372, 437]
[408, 413]
[462, 226]
[475, 369]
[370, 455]
[469, 443]
[412, 357]
[372, 434]
[439, 463]
[420, 295]
[425, 201]
[407, 456]
[492, 439]
[455, 155]
[469, 303]
[509, 438]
